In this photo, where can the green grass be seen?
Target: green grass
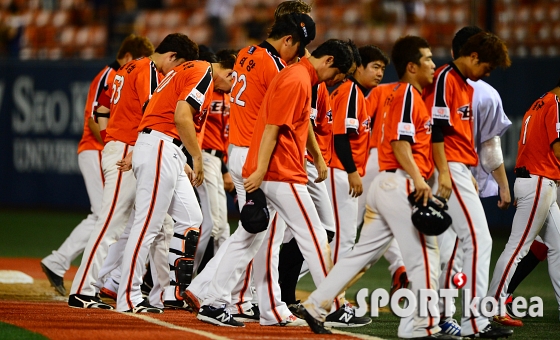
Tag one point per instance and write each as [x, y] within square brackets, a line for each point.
[11, 332]
[37, 233]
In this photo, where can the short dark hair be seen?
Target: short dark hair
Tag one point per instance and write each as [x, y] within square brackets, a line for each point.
[341, 50]
[226, 58]
[407, 50]
[207, 54]
[370, 53]
[461, 38]
[291, 6]
[490, 49]
[180, 44]
[283, 26]
[137, 46]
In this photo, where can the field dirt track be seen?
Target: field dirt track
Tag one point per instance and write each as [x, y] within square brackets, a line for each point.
[38, 308]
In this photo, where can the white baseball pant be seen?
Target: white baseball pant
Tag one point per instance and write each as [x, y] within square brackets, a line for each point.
[217, 196]
[162, 187]
[385, 220]
[118, 198]
[345, 208]
[537, 214]
[469, 223]
[59, 261]
[206, 226]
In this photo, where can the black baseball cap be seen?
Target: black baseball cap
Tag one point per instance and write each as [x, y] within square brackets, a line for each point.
[254, 214]
[306, 30]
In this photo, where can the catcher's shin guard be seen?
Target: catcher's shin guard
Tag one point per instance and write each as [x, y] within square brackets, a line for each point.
[184, 264]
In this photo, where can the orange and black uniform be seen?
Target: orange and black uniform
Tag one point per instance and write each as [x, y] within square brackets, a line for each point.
[406, 119]
[321, 118]
[350, 119]
[375, 101]
[449, 99]
[127, 102]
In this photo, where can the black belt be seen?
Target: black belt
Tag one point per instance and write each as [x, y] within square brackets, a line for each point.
[179, 145]
[391, 170]
[216, 153]
[522, 172]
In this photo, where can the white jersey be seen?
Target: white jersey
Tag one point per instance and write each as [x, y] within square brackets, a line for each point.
[490, 121]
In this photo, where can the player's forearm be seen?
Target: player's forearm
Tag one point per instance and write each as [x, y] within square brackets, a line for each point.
[343, 151]
[403, 154]
[268, 143]
[438, 152]
[94, 128]
[312, 145]
[500, 176]
[185, 127]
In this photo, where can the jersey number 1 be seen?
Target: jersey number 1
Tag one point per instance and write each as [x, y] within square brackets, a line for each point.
[525, 129]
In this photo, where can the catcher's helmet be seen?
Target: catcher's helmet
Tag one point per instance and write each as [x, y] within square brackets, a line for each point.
[432, 219]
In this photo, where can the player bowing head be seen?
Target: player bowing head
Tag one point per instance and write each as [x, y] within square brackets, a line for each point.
[295, 31]
[481, 54]
[175, 49]
[336, 58]
[222, 67]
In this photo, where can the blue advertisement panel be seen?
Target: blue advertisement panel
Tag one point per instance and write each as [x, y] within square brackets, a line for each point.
[41, 123]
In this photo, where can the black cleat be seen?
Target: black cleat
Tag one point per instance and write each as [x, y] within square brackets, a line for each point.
[177, 304]
[145, 307]
[491, 332]
[86, 301]
[250, 315]
[345, 317]
[294, 308]
[56, 281]
[218, 316]
[316, 326]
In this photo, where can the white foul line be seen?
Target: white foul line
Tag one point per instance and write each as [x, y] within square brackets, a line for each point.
[179, 328]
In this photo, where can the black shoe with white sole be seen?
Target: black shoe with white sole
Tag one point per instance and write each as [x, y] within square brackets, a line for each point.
[56, 281]
[145, 307]
[87, 301]
[249, 315]
[218, 316]
[176, 304]
[492, 332]
[345, 317]
[316, 326]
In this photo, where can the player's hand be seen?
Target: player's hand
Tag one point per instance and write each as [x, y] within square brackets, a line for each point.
[423, 191]
[355, 183]
[198, 172]
[505, 198]
[253, 182]
[228, 182]
[322, 170]
[190, 173]
[125, 164]
[475, 183]
[444, 185]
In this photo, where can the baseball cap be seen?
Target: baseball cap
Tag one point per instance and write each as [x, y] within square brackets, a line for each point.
[306, 30]
[254, 214]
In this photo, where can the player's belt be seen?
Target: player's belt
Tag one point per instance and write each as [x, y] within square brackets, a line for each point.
[170, 139]
[391, 170]
[213, 152]
[522, 172]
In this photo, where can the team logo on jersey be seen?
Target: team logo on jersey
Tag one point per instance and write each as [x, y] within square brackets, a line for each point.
[428, 127]
[406, 129]
[465, 112]
[313, 115]
[440, 113]
[366, 124]
[329, 116]
[251, 50]
[197, 96]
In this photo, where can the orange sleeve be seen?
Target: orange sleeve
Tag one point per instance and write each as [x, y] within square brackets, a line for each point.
[401, 126]
[552, 122]
[282, 102]
[344, 103]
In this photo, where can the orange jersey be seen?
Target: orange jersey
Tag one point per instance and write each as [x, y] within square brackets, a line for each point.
[321, 118]
[350, 117]
[96, 89]
[405, 117]
[292, 116]
[217, 123]
[541, 128]
[449, 100]
[254, 70]
[190, 81]
[133, 86]
[375, 101]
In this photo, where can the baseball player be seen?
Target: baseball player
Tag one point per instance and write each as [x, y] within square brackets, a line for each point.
[537, 169]
[169, 126]
[132, 87]
[254, 70]
[405, 162]
[449, 100]
[89, 160]
[275, 159]
[351, 124]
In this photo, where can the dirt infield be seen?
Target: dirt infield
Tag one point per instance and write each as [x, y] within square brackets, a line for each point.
[37, 307]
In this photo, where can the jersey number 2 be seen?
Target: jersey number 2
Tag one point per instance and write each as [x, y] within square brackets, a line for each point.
[237, 98]
[525, 129]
